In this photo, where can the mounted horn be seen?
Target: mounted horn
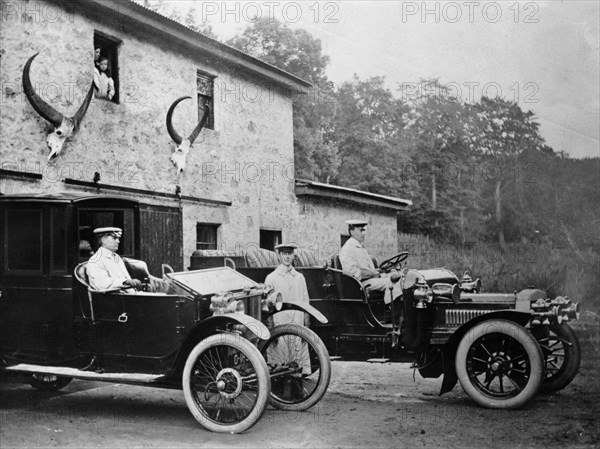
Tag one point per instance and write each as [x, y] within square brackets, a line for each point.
[200, 124]
[63, 126]
[41, 107]
[183, 145]
[176, 137]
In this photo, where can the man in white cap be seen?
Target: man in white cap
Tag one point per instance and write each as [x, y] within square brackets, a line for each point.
[355, 259]
[292, 286]
[106, 269]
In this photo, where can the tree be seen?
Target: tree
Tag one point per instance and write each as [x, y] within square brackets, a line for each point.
[504, 132]
[366, 133]
[299, 53]
[439, 130]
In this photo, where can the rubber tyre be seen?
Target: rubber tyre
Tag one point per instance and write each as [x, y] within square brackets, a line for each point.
[507, 345]
[571, 354]
[49, 382]
[207, 362]
[315, 384]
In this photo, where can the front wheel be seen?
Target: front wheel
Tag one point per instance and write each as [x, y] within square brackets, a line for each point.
[226, 383]
[562, 355]
[499, 364]
[299, 365]
[49, 382]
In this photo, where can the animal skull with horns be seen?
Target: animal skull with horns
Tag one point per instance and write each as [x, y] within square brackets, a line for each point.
[63, 126]
[183, 145]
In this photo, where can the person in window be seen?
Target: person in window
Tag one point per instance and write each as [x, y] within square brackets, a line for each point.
[355, 259]
[104, 84]
[97, 52]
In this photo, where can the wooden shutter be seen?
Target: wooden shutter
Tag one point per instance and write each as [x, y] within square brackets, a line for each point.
[161, 237]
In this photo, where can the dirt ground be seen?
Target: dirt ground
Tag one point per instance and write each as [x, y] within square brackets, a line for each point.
[367, 405]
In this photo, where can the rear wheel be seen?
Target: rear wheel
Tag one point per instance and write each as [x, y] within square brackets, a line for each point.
[499, 364]
[562, 355]
[226, 383]
[49, 382]
[299, 365]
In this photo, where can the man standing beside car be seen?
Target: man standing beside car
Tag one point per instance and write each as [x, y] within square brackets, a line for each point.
[292, 287]
[355, 259]
[291, 284]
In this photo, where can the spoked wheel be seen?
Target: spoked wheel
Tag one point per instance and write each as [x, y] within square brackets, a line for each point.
[499, 364]
[226, 383]
[299, 365]
[562, 355]
[49, 382]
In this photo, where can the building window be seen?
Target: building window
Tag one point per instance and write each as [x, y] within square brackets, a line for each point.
[206, 235]
[109, 49]
[204, 87]
[269, 239]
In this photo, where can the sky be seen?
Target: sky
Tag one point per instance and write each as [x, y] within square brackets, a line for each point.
[545, 55]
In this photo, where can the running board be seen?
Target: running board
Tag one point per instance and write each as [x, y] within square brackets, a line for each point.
[382, 360]
[123, 378]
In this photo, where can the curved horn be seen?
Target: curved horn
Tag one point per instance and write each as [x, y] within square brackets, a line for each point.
[176, 137]
[40, 106]
[84, 107]
[200, 125]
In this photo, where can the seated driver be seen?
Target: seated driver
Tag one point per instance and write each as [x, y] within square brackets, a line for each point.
[356, 260]
[106, 270]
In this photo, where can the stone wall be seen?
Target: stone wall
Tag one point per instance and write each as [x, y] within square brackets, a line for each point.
[321, 223]
[247, 159]
[127, 143]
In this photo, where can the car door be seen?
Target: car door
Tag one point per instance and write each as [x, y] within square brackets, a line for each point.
[153, 330]
[36, 302]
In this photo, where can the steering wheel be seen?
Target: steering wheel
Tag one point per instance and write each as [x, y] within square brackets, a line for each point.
[394, 262]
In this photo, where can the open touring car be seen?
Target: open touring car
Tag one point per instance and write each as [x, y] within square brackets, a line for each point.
[502, 348]
[206, 334]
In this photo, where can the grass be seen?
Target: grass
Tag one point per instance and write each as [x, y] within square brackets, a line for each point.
[558, 271]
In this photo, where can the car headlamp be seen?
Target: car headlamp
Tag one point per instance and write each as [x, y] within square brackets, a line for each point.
[273, 302]
[223, 303]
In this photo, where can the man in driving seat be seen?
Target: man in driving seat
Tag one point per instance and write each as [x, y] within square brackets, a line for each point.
[106, 270]
[355, 259]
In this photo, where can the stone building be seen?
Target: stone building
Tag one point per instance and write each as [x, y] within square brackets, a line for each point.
[238, 187]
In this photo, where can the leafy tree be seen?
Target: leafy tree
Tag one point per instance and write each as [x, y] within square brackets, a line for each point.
[504, 132]
[298, 52]
[439, 129]
[366, 133]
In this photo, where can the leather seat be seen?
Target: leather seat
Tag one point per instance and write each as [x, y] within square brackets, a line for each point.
[335, 262]
[305, 258]
[137, 269]
[80, 273]
[260, 258]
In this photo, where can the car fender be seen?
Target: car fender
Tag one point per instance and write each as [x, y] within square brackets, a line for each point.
[286, 305]
[252, 324]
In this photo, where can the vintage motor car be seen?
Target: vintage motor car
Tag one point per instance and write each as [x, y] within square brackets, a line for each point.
[502, 348]
[207, 334]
